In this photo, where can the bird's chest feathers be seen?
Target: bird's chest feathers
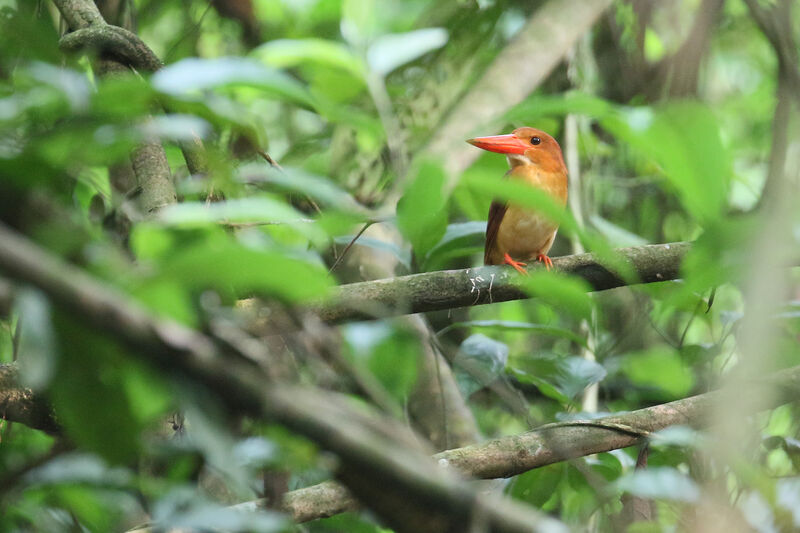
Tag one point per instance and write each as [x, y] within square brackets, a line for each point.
[524, 231]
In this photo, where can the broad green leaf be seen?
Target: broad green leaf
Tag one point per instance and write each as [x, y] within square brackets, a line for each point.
[91, 373]
[292, 179]
[560, 291]
[538, 486]
[233, 268]
[459, 239]
[190, 75]
[660, 368]
[569, 376]
[684, 139]
[421, 215]
[479, 361]
[540, 105]
[388, 52]
[283, 53]
[660, 483]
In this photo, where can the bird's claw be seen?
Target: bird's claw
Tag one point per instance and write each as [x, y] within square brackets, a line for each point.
[518, 265]
[548, 263]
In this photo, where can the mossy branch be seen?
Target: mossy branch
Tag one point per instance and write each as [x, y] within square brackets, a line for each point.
[448, 289]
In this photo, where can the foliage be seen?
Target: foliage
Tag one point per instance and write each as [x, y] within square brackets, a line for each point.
[345, 94]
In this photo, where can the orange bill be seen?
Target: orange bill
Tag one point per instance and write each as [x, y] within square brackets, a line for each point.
[502, 144]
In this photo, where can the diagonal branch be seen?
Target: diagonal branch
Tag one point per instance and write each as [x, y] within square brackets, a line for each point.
[394, 479]
[510, 456]
[448, 289]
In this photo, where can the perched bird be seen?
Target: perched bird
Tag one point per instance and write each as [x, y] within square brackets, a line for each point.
[515, 234]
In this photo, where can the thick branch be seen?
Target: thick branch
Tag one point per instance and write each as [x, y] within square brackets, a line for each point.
[394, 479]
[510, 456]
[18, 404]
[149, 159]
[448, 289]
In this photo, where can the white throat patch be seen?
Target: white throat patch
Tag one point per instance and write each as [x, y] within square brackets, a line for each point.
[515, 160]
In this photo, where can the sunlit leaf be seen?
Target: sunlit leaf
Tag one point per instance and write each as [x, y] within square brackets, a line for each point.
[660, 483]
[560, 291]
[421, 216]
[388, 52]
[194, 74]
[284, 53]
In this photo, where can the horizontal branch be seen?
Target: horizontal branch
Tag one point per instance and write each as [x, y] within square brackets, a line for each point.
[510, 456]
[448, 289]
[19, 404]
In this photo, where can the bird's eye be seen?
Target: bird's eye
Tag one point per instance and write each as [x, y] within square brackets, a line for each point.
[535, 140]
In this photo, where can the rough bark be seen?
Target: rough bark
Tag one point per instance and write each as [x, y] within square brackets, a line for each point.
[509, 456]
[448, 289]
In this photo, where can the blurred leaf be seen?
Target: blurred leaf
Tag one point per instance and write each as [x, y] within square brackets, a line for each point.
[284, 53]
[390, 354]
[81, 468]
[459, 237]
[560, 291]
[401, 254]
[507, 325]
[788, 497]
[684, 139]
[388, 52]
[682, 436]
[194, 74]
[421, 216]
[185, 509]
[479, 361]
[229, 266]
[616, 235]
[297, 180]
[91, 373]
[659, 483]
[38, 350]
[660, 368]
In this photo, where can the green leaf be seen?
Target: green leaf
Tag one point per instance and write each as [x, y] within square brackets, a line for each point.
[459, 239]
[479, 361]
[231, 267]
[684, 139]
[193, 74]
[91, 373]
[560, 291]
[660, 483]
[283, 53]
[660, 368]
[389, 354]
[568, 376]
[293, 179]
[388, 52]
[421, 215]
[38, 348]
[538, 486]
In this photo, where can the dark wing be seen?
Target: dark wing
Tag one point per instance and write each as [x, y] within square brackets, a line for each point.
[496, 214]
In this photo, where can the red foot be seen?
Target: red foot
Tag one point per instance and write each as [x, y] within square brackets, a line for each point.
[548, 263]
[516, 264]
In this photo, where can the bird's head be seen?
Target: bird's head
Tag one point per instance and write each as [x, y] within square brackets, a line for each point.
[525, 146]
